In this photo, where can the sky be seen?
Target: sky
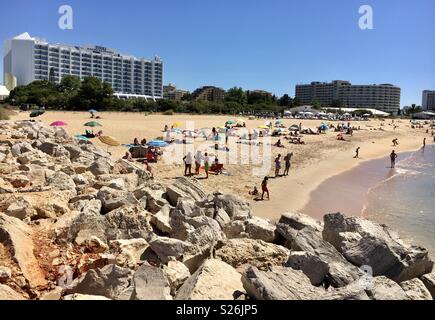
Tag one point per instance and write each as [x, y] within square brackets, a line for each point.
[256, 44]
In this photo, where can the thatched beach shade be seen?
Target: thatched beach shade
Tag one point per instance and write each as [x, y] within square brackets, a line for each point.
[58, 124]
[92, 124]
[110, 141]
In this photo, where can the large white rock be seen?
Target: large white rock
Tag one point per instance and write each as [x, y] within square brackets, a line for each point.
[416, 290]
[214, 280]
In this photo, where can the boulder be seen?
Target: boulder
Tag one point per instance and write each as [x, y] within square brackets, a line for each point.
[236, 208]
[74, 151]
[262, 229]
[18, 180]
[100, 166]
[129, 252]
[416, 290]
[177, 273]
[7, 293]
[214, 280]
[84, 297]
[429, 283]
[240, 252]
[17, 236]
[235, 229]
[128, 222]
[5, 274]
[61, 181]
[110, 281]
[364, 242]
[150, 283]
[112, 199]
[279, 283]
[161, 220]
[184, 187]
[222, 218]
[382, 288]
[167, 248]
[21, 209]
[341, 272]
[312, 266]
[299, 221]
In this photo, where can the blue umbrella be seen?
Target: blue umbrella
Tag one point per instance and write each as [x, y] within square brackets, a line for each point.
[80, 137]
[157, 143]
[176, 130]
[93, 111]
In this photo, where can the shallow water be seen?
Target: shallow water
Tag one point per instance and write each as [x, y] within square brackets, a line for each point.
[403, 198]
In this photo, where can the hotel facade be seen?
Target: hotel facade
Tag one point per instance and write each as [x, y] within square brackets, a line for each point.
[27, 59]
[384, 97]
[428, 102]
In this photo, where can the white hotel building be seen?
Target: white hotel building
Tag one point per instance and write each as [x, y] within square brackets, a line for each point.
[27, 59]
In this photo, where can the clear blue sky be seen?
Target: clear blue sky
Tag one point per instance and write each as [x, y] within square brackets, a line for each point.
[255, 44]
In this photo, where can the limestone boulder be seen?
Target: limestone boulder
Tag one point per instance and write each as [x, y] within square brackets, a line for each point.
[185, 187]
[416, 290]
[150, 283]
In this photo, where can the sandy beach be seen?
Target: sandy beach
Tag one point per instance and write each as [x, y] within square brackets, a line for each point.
[322, 157]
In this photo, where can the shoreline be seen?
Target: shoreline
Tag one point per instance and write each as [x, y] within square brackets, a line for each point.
[304, 181]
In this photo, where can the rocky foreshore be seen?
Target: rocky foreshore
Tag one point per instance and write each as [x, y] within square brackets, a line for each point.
[76, 225]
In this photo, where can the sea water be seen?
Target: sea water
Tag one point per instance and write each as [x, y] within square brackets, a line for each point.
[403, 198]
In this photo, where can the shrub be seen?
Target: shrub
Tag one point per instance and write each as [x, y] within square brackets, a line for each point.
[169, 112]
[3, 114]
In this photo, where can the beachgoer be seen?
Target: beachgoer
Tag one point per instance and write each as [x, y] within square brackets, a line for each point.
[149, 169]
[127, 156]
[254, 192]
[217, 166]
[143, 142]
[206, 164]
[277, 165]
[357, 153]
[227, 134]
[279, 144]
[287, 160]
[166, 128]
[395, 142]
[198, 159]
[264, 188]
[188, 164]
[393, 157]
[424, 142]
[136, 141]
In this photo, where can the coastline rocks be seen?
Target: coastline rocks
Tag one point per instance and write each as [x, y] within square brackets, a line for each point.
[429, 283]
[261, 229]
[260, 254]
[84, 297]
[112, 199]
[61, 181]
[214, 280]
[184, 187]
[363, 242]
[100, 166]
[20, 209]
[168, 248]
[299, 221]
[280, 283]
[341, 272]
[7, 293]
[161, 220]
[129, 252]
[236, 208]
[382, 288]
[150, 283]
[312, 266]
[5, 274]
[17, 236]
[111, 282]
[177, 273]
[416, 290]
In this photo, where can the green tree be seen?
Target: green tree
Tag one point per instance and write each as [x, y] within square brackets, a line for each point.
[316, 104]
[51, 76]
[236, 94]
[285, 101]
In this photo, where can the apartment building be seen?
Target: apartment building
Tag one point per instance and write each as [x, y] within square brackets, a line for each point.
[428, 102]
[384, 97]
[209, 93]
[171, 92]
[28, 58]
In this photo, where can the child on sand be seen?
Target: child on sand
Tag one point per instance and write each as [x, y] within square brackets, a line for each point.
[264, 188]
[357, 153]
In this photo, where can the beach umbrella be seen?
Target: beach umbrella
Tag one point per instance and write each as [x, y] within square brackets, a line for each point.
[177, 124]
[231, 122]
[157, 143]
[279, 121]
[92, 124]
[93, 111]
[110, 141]
[263, 127]
[176, 130]
[324, 126]
[58, 124]
[82, 138]
[35, 113]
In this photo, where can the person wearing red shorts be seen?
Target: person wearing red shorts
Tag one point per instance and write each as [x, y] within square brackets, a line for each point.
[264, 188]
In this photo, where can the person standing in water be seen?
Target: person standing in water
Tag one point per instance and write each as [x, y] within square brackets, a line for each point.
[393, 157]
[424, 143]
[357, 153]
[264, 188]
